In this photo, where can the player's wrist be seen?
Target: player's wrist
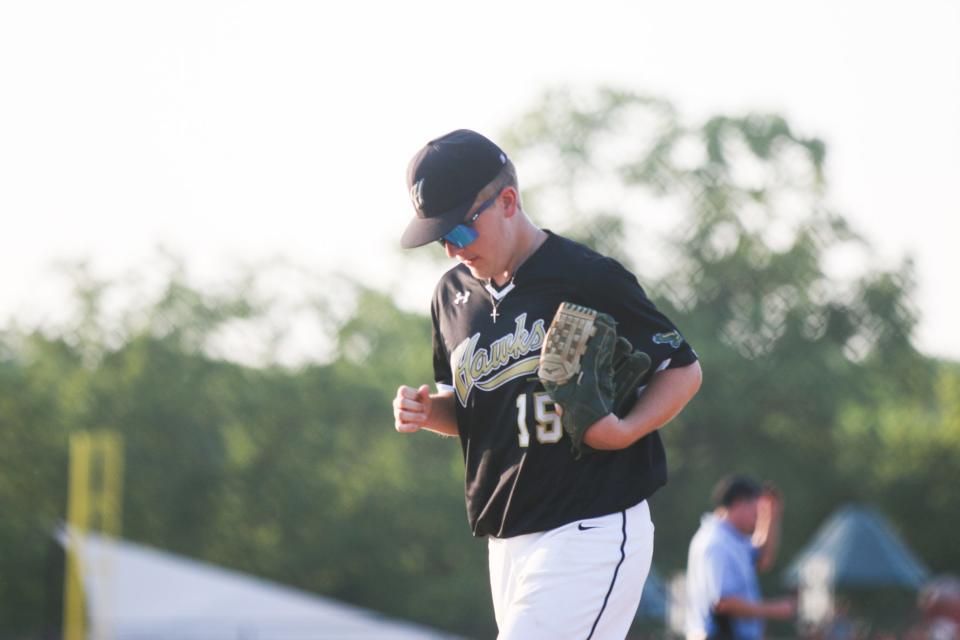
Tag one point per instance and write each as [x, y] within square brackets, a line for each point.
[608, 434]
[440, 415]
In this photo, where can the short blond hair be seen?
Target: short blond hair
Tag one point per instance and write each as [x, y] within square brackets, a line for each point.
[507, 177]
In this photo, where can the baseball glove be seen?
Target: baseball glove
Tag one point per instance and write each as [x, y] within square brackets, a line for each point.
[629, 367]
[588, 371]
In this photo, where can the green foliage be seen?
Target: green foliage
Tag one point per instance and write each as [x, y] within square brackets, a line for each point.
[810, 380]
[33, 483]
[292, 474]
[909, 446]
[297, 475]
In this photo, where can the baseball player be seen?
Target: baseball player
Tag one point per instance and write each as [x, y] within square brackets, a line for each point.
[570, 538]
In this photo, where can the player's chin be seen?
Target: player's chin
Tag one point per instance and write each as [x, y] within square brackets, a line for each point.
[476, 268]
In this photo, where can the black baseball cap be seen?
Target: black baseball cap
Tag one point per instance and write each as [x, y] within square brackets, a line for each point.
[444, 179]
[735, 487]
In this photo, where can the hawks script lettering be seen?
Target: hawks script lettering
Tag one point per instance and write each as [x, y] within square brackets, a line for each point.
[505, 360]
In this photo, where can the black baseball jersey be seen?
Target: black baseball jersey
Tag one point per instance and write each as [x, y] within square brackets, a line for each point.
[521, 476]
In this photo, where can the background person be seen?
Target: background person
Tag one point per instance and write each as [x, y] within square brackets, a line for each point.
[738, 538]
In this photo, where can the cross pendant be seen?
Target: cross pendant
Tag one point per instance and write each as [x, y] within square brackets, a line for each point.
[494, 315]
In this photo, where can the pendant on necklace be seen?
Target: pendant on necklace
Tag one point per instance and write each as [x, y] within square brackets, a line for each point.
[496, 297]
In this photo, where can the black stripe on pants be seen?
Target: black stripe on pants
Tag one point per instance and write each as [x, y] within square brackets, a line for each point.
[613, 581]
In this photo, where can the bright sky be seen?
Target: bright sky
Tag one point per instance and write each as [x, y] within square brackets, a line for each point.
[231, 131]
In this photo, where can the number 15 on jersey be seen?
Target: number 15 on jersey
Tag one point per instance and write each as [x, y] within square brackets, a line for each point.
[548, 428]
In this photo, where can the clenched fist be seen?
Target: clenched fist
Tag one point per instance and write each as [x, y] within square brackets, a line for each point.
[411, 408]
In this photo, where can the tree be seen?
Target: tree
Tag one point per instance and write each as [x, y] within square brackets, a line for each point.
[290, 473]
[742, 267]
[294, 473]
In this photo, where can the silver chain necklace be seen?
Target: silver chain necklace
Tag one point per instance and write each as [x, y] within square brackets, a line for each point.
[496, 297]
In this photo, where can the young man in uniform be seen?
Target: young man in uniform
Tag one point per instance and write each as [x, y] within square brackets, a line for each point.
[569, 539]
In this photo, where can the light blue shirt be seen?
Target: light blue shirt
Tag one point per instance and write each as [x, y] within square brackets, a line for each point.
[721, 563]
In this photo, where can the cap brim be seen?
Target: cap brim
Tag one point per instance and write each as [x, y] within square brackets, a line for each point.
[423, 231]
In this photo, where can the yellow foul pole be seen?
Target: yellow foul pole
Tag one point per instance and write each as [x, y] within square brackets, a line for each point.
[94, 500]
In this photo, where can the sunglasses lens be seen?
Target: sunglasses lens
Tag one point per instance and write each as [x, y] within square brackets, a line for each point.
[461, 236]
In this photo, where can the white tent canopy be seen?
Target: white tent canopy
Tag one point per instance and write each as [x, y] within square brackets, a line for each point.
[137, 593]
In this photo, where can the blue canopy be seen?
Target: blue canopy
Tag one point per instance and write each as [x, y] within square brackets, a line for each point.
[863, 551]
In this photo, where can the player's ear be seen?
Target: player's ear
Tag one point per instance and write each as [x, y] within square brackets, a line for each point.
[510, 200]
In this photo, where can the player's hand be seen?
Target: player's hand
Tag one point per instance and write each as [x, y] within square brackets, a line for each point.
[770, 503]
[411, 408]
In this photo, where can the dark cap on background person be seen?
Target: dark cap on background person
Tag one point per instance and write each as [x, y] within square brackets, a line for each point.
[735, 487]
[444, 179]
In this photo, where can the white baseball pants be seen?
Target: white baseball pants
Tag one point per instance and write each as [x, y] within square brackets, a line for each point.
[582, 580]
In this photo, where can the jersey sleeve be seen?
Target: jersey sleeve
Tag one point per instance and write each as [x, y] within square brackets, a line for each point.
[638, 320]
[441, 359]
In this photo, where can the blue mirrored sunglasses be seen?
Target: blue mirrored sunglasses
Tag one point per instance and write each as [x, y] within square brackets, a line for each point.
[464, 234]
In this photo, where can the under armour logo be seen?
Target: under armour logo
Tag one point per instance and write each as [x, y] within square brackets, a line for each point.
[461, 297]
[416, 194]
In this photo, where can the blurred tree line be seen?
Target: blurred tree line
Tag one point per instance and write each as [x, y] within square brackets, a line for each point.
[295, 473]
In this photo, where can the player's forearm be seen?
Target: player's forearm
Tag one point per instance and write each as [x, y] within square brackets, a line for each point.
[665, 396]
[442, 418]
[740, 608]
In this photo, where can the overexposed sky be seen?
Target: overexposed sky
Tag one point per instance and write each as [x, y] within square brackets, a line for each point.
[231, 132]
